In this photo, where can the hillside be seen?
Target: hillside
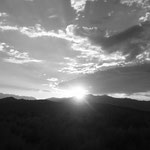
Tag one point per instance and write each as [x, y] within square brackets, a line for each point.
[66, 125]
[123, 102]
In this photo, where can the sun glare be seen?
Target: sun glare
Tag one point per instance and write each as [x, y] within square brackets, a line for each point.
[78, 93]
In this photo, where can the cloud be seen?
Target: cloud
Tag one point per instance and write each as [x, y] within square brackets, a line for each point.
[78, 43]
[52, 16]
[79, 5]
[15, 56]
[91, 57]
[129, 80]
[87, 64]
[52, 79]
[131, 42]
[3, 14]
[8, 27]
[144, 4]
[130, 47]
[138, 96]
[53, 85]
[94, 52]
[38, 31]
[141, 3]
[118, 38]
[145, 18]
[21, 61]
[2, 45]
[72, 66]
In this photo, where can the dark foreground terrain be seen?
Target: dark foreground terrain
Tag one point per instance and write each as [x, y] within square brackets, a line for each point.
[99, 124]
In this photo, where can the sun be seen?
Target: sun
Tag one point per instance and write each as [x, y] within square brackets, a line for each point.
[78, 93]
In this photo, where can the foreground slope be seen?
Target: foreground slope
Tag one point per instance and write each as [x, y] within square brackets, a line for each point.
[66, 125]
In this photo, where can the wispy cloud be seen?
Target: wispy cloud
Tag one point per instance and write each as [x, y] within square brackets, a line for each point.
[52, 16]
[138, 96]
[73, 66]
[123, 49]
[21, 61]
[4, 27]
[15, 56]
[95, 53]
[38, 31]
[52, 79]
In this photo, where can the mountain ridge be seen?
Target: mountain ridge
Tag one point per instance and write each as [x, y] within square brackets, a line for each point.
[97, 123]
[104, 99]
[2, 95]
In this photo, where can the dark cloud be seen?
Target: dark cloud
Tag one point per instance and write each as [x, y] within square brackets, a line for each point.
[118, 38]
[119, 80]
[132, 41]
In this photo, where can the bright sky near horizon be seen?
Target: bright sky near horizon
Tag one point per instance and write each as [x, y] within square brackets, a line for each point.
[49, 46]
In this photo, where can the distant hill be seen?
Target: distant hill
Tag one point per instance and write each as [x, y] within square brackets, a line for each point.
[122, 102]
[100, 123]
[2, 95]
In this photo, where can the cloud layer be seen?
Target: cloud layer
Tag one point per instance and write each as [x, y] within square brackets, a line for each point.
[94, 42]
[14, 56]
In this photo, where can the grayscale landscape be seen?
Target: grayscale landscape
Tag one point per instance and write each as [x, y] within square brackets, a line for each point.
[74, 74]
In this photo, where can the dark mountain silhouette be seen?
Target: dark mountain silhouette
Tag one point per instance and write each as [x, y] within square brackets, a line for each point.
[2, 95]
[123, 102]
[102, 123]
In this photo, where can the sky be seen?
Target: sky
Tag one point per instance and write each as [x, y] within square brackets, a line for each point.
[50, 46]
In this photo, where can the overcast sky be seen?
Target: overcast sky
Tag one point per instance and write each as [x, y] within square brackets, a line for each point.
[48, 46]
